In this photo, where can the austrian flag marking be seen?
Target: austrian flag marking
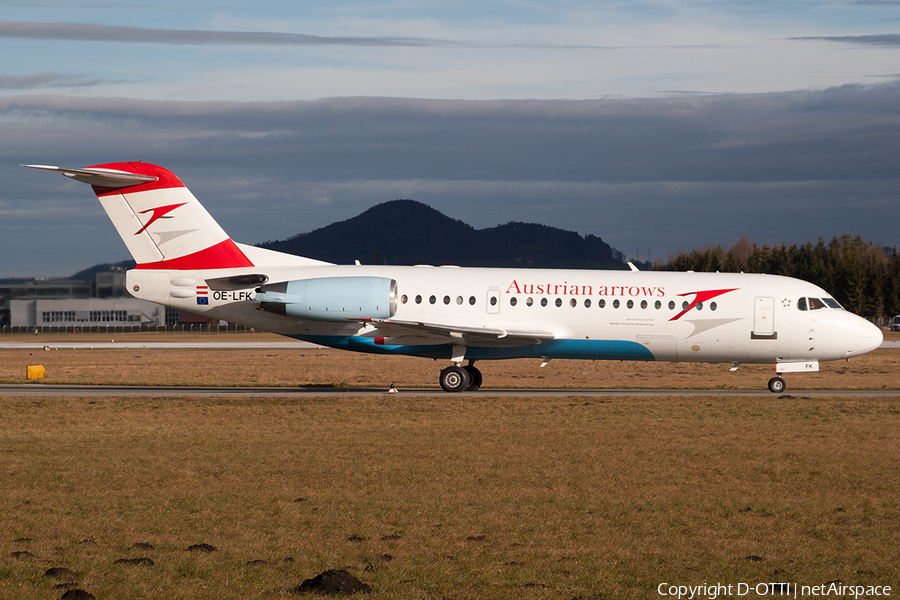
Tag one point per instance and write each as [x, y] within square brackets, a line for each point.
[203, 294]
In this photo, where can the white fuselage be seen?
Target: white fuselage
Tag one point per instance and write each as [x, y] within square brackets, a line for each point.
[624, 315]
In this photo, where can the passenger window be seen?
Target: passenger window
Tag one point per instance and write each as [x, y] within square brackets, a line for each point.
[513, 301]
[615, 304]
[630, 304]
[657, 305]
[446, 299]
[472, 300]
[713, 306]
[671, 305]
[558, 302]
[587, 302]
[573, 302]
[543, 302]
[643, 304]
[529, 301]
[459, 300]
[699, 306]
[418, 299]
[404, 299]
[432, 299]
[601, 303]
[685, 305]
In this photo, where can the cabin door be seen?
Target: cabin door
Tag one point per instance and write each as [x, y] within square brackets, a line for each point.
[764, 319]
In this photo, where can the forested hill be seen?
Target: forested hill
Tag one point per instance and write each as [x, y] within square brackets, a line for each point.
[863, 277]
[406, 232]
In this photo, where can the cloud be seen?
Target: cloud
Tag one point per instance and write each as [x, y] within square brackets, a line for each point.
[49, 79]
[887, 39]
[92, 32]
[846, 133]
[661, 174]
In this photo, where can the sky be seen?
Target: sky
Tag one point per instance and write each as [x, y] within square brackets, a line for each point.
[657, 125]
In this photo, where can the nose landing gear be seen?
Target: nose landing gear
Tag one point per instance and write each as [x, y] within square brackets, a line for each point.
[777, 385]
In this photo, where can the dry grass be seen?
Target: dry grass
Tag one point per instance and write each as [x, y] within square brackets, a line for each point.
[878, 370]
[455, 497]
[485, 497]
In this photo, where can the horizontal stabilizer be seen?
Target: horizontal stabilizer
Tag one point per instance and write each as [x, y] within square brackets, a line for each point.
[102, 178]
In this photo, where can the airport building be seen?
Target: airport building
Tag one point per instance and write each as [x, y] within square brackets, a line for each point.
[85, 312]
[61, 303]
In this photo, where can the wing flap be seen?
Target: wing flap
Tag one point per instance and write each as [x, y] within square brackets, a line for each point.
[457, 334]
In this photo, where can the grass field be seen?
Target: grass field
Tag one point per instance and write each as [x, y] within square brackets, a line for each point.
[447, 498]
[453, 497]
[313, 367]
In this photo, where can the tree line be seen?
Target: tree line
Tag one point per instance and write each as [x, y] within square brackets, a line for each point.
[862, 276]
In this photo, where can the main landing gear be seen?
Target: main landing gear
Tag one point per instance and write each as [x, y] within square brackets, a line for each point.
[777, 385]
[461, 379]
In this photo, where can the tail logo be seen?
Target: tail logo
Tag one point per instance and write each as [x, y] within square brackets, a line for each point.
[159, 212]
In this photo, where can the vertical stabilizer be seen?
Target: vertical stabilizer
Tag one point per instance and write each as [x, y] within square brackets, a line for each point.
[163, 225]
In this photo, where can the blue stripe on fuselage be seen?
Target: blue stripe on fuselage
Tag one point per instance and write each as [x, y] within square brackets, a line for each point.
[579, 349]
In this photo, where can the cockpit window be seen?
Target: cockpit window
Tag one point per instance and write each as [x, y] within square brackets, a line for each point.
[816, 304]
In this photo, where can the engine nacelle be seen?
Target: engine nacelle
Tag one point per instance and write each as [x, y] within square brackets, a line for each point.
[330, 298]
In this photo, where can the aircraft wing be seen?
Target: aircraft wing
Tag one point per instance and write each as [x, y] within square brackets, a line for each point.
[457, 334]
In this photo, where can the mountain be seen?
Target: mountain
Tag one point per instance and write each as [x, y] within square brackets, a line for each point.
[406, 232]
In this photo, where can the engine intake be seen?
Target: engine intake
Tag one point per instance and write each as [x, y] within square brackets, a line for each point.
[330, 298]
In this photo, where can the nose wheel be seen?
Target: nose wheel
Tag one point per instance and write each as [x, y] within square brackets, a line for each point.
[777, 385]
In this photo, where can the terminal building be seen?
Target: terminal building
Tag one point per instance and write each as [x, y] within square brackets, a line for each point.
[96, 303]
[85, 312]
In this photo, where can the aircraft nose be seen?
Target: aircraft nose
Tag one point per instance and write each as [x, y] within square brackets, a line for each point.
[870, 337]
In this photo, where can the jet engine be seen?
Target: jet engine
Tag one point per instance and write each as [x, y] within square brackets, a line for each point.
[330, 298]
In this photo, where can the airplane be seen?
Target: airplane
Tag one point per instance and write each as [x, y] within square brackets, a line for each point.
[186, 260]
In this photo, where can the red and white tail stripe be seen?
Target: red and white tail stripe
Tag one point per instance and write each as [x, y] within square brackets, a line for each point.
[161, 222]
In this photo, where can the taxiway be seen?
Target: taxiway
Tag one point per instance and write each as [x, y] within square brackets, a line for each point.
[106, 391]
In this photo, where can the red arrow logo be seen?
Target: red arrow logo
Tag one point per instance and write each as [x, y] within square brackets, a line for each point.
[158, 213]
[700, 297]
